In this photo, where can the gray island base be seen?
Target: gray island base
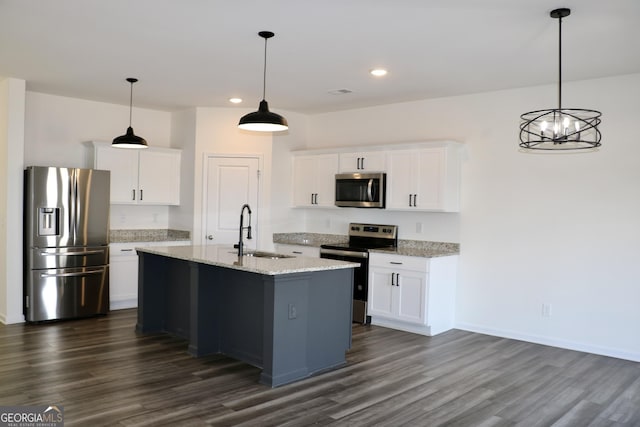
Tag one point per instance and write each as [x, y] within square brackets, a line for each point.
[289, 317]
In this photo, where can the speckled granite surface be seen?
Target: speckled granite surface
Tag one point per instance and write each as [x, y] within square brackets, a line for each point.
[309, 239]
[147, 235]
[226, 256]
[419, 248]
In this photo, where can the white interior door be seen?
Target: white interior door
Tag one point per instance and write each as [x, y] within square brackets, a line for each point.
[231, 182]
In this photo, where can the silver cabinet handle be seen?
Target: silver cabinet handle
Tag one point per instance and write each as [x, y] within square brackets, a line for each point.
[133, 194]
[296, 252]
[141, 194]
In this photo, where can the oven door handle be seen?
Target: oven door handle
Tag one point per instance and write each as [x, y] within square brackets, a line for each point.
[355, 254]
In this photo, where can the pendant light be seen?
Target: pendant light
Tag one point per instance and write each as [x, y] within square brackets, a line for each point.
[129, 139]
[560, 128]
[264, 120]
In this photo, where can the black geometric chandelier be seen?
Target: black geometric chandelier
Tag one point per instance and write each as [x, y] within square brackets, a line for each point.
[264, 120]
[130, 139]
[560, 128]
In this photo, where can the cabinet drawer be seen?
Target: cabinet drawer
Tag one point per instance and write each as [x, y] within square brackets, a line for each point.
[399, 262]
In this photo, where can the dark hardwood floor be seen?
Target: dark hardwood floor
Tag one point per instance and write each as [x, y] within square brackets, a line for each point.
[105, 374]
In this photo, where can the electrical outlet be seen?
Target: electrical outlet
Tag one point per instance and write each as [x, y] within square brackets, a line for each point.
[293, 313]
[418, 227]
[546, 310]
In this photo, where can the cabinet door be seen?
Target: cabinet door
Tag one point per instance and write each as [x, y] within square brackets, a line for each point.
[325, 182]
[430, 179]
[314, 180]
[159, 177]
[371, 161]
[381, 292]
[423, 179]
[123, 277]
[123, 165]
[411, 289]
[303, 181]
[402, 179]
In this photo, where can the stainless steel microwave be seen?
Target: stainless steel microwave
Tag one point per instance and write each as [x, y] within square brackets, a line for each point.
[361, 190]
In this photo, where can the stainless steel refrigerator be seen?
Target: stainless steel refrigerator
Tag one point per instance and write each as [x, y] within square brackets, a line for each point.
[66, 243]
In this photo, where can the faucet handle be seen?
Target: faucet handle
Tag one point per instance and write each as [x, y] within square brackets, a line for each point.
[236, 246]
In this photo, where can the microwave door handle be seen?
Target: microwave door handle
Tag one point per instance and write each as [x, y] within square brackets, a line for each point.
[370, 190]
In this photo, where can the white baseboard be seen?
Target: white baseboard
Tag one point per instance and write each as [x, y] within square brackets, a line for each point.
[416, 329]
[553, 342]
[123, 303]
[11, 320]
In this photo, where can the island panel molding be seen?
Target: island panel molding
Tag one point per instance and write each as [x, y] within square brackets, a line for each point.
[291, 324]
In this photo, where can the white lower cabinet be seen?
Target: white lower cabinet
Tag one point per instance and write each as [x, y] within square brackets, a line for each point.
[414, 294]
[123, 272]
[298, 250]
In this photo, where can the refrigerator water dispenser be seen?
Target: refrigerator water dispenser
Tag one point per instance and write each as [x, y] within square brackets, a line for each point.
[48, 221]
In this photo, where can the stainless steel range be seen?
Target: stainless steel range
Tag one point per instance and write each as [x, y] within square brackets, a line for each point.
[362, 237]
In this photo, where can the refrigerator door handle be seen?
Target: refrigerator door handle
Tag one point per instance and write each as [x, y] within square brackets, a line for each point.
[98, 251]
[74, 274]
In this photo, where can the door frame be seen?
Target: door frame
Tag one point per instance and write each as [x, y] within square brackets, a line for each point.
[205, 188]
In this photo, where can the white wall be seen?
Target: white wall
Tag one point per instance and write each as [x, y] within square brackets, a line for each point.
[58, 132]
[12, 105]
[183, 136]
[559, 229]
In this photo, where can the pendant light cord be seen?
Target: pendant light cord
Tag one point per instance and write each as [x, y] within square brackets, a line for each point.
[264, 73]
[560, 63]
[130, 103]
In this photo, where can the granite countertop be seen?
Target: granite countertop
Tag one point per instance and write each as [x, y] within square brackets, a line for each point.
[309, 239]
[417, 248]
[226, 256]
[148, 235]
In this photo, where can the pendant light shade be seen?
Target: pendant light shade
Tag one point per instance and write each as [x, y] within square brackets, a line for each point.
[129, 139]
[264, 120]
[560, 128]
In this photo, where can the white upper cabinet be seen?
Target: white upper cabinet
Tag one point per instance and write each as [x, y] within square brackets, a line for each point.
[421, 176]
[425, 179]
[314, 180]
[370, 161]
[150, 176]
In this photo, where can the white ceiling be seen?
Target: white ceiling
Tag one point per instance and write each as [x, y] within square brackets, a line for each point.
[201, 52]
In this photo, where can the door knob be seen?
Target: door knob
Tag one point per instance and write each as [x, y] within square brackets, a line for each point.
[210, 237]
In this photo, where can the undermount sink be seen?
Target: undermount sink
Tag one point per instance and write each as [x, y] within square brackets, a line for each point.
[270, 255]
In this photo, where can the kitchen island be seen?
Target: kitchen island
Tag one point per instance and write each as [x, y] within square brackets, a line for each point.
[289, 316]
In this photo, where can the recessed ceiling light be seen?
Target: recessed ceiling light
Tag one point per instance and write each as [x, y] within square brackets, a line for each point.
[378, 72]
[235, 100]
